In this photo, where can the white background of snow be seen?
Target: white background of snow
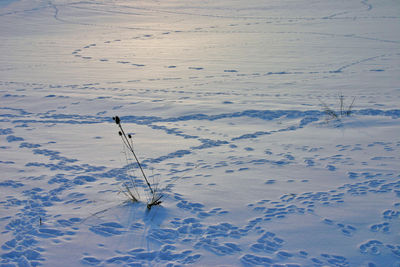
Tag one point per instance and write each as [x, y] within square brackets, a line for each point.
[225, 95]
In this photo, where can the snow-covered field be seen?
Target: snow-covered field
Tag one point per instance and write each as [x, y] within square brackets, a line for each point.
[224, 101]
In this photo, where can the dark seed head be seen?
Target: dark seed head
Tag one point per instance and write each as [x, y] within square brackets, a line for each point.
[117, 120]
[120, 133]
[129, 136]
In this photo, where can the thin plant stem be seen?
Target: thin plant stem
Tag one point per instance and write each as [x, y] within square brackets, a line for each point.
[155, 198]
[341, 99]
[127, 143]
[132, 171]
[348, 112]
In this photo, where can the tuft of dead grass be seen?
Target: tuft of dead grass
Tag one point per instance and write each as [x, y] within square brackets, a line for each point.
[343, 111]
[131, 191]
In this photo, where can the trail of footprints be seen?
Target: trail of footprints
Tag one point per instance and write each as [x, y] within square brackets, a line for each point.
[28, 230]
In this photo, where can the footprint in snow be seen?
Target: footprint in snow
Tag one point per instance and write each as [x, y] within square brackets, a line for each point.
[13, 138]
[380, 227]
[107, 229]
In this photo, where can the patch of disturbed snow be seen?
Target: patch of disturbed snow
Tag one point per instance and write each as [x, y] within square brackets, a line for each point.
[320, 194]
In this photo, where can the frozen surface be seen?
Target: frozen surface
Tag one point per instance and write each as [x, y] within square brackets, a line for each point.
[225, 103]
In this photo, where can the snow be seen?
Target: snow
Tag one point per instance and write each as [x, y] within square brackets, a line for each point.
[224, 100]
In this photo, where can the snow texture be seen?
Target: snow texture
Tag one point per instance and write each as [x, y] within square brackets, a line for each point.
[225, 102]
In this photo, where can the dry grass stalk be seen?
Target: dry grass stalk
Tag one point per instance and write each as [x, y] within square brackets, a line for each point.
[155, 197]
